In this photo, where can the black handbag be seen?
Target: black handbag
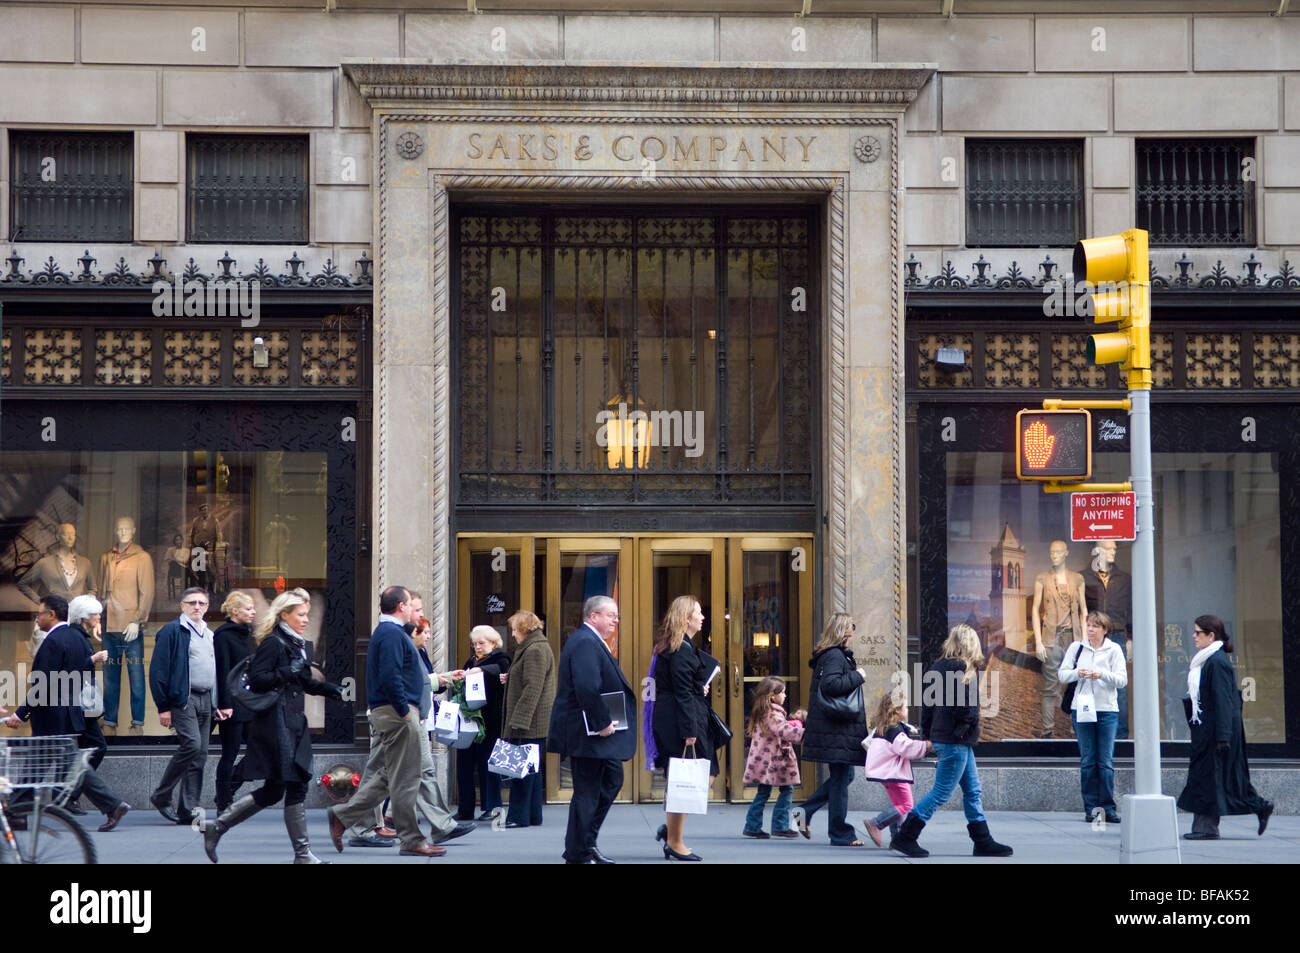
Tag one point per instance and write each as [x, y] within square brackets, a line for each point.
[719, 733]
[242, 692]
[1067, 697]
[848, 707]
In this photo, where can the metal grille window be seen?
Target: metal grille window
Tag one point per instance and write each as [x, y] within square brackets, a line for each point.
[70, 186]
[1196, 191]
[617, 357]
[1023, 192]
[247, 189]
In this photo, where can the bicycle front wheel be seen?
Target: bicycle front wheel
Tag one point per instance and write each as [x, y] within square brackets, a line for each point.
[56, 839]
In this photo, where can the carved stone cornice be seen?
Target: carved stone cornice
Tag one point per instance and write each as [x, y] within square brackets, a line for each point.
[394, 81]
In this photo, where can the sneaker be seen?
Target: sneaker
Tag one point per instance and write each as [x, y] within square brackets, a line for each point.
[785, 833]
[371, 839]
[873, 832]
[1112, 817]
[760, 835]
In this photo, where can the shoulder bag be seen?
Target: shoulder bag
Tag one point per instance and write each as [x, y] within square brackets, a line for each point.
[848, 707]
[1067, 697]
[242, 692]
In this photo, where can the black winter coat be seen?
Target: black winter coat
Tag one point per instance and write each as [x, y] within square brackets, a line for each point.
[493, 664]
[62, 665]
[955, 720]
[231, 643]
[681, 708]
[1218, 785]
[825, 738]
[279, 744]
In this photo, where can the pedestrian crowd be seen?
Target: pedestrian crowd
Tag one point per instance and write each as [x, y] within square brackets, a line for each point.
[250, 677]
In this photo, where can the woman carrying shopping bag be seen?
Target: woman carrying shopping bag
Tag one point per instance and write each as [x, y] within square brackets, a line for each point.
[681, 717]
[491, 661]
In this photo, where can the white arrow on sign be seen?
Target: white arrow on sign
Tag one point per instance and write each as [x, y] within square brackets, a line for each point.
[1094, 526]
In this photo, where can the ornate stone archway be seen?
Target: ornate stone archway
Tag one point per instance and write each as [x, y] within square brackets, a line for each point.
[572, 129]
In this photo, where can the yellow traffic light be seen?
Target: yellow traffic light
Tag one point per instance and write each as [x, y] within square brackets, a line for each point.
[1118, 267]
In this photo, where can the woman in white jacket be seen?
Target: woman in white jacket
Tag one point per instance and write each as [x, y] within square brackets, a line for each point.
[1095, 666]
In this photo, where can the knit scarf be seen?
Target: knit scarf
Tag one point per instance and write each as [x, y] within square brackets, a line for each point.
[295, 640]
[1194, 678]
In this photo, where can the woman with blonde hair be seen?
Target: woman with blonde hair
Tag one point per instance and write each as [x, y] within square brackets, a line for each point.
[231, 643]
[681, 715]
[279, 744]
[489, 655]
[836, 725]
[952, 726]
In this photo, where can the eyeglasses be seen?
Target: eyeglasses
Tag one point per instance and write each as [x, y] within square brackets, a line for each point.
[193, 602]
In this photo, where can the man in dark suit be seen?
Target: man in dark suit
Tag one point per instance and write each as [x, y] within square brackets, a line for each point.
[596, 750]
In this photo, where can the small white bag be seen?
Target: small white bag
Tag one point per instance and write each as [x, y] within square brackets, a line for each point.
[688, 786]
[446, 725]
[475, 689]
[92, 699]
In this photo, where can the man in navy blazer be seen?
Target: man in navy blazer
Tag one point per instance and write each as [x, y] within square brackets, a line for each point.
[53, 706]
[587, 671]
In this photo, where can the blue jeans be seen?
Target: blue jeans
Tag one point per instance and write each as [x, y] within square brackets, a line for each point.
[1121, 727]
[956, 766]
[780, 810]
[834, 796]
[134, 654]
[1097, 760]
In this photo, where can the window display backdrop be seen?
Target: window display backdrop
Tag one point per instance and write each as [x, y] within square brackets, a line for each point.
[1219, 547]
[136, 527]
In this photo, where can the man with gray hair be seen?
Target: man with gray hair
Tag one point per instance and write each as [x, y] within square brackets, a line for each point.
[583, 728]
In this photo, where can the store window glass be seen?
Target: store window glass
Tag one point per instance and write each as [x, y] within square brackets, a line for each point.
[1015, 576]
[136, 529]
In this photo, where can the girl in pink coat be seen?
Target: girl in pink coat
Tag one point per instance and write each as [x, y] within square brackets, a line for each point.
[771, 761]
[890, 752]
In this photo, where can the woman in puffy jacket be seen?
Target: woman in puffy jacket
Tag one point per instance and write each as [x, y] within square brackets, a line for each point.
[1096, 667]
[829, 737]
[953, 726]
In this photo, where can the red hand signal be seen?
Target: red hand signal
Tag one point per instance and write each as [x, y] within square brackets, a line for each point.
[1038, 444]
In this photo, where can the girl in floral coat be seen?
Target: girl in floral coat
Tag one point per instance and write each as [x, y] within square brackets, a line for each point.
[771, 761]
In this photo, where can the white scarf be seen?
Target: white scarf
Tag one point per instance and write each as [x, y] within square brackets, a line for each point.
[1194, 678]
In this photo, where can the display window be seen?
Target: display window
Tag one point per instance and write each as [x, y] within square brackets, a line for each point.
[997, 554]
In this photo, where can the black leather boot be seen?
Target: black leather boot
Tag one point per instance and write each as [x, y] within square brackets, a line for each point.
[985, 845]
[905, 841]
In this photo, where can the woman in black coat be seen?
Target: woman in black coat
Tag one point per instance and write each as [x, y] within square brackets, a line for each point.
[489, 655]
[279, 744]
[681, 714]
[831, 739]
[1218, 778]
[232, 643]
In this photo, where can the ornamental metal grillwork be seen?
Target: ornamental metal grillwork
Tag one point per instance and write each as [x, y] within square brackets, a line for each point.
[329, 358]
[1277, 360]
[1213, 360]
[571, 324]
[1070, 366]
[247, 189]
[276, 373]
[1023, 192]
[1011, 360]
[121, 277]
[74, 186]
[192, 357]
[123, 357]
[6, 346]
[53, 356]
[1162, 359]
[1196, 191]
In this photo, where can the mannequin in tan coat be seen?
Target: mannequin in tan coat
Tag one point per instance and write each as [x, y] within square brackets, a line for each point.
[126, 581]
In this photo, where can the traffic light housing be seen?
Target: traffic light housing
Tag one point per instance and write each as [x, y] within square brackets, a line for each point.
[1118, 267]
[1053, 445]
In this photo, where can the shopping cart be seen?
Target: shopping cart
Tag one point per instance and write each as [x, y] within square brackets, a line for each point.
[37, 775]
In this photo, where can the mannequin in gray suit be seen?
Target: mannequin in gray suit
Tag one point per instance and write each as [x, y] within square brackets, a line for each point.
[62, 572]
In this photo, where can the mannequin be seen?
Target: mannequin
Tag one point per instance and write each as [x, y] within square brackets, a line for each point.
[61, 572]
[1059, 610]
[205, 534]
[277, 543]
[126, 578]
[1109, 589]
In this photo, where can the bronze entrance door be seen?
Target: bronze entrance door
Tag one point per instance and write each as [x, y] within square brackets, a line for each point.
[756, 593]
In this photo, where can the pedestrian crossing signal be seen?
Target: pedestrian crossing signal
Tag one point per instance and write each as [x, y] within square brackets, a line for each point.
[1053, 445]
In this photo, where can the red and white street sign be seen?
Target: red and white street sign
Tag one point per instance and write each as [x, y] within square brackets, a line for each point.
[1098, 516]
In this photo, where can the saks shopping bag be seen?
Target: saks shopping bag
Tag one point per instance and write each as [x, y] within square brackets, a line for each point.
[513, 761]
[466, 732]
[688, 786]
[475, 689]
[446, 726]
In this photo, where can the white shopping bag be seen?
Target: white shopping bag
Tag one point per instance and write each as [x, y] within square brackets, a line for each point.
[475, 689]
[447, 725]
[688, 786]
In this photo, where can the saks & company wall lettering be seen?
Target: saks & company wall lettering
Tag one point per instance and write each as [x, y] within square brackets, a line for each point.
[771, 148]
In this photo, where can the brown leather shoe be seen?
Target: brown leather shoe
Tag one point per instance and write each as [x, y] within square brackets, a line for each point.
[385, 832]
[118, 813]
[424, 850]
[336, 829]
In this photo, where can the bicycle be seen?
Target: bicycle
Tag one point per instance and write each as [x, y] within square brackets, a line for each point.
[37, 775]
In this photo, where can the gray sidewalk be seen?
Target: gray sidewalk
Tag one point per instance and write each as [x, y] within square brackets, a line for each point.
[628, 837]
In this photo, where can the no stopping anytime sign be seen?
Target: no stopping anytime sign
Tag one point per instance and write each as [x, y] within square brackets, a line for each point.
[1098, 516]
